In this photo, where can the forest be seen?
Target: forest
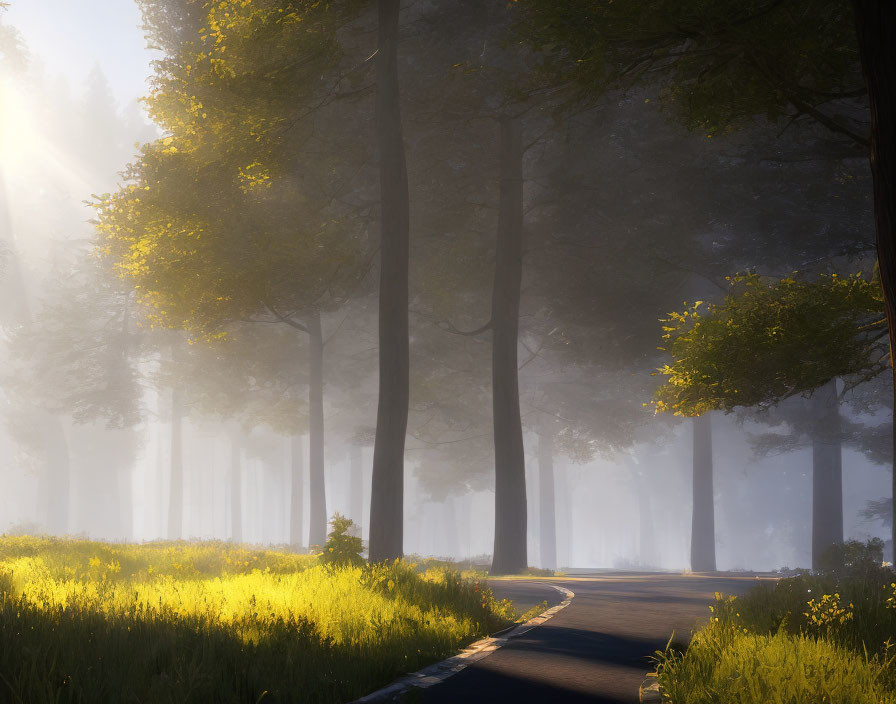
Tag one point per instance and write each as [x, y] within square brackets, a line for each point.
[344, 344]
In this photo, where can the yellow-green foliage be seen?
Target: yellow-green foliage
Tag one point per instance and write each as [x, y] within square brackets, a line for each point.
[342, 548]
[803, 640]
[828, 612]
[215, 622]
[769, 340]
[726, 664]
[229, 215]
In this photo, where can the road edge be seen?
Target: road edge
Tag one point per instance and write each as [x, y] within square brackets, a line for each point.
[442, 670]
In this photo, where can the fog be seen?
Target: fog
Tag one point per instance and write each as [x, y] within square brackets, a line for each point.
[119, 426]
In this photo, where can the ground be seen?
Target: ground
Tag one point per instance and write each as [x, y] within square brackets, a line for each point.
[597, 649]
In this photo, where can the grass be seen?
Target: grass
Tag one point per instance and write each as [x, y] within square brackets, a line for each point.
[532, 612]
[726, 664]
[83, 621]
[808, 639]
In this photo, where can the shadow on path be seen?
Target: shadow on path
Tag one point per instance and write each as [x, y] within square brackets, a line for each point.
[500, 688]
[596, 650]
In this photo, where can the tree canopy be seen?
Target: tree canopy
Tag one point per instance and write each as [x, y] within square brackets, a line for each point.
[223, 220]
[768, 340]
[719, 64]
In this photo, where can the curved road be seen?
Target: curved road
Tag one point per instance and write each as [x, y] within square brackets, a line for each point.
[595, 650]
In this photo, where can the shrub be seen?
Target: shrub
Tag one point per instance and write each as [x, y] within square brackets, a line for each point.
[342, 547]
[853, 559]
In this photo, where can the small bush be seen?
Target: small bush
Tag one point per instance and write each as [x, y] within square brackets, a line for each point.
[343, 547]
[853, 559]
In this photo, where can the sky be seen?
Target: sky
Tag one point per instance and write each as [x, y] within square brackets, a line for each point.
[70, 37]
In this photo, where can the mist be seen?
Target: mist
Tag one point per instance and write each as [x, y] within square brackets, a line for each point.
[116, 428]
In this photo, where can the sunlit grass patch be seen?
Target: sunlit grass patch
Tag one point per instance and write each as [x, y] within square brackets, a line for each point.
[808, 639]
[726, 664]
[180, 622]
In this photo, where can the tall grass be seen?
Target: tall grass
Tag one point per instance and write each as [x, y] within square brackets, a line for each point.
[809, 639]
[726, 664]
[210, 622]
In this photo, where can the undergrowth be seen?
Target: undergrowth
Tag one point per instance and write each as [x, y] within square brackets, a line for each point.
[82, 621]
[824, 638]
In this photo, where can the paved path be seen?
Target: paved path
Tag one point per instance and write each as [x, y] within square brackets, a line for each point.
[596, 649]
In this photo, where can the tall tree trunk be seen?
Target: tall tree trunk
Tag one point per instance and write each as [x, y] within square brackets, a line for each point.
[356, 487]
[176, 485]
[510, 465]
[387, 485]
[548, 519]
[827, 472]
[317, 493]
[876, 30]
[296, 492]
[126, 497]
[236, 486]
[703, 522]
[58, 475]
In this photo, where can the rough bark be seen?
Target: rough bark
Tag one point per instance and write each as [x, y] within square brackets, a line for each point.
[176, 484]
[317, 493]
[387, 486]
[356, 487]
[509, 554]
[236, 487]
[876, 30]
[827, 472]
[703, 523]
[548, 519]
[297, 491]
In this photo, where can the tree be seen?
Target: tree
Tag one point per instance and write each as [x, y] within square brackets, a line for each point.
[510, 466]
[723, 64]
[766, 342]
[547, 520]
[818, 422]
[77, 361]
[876, 28]
[251, 380]
[478, 83]
[720, 64]
[387, 493]
[770, 340]
[13, 55]
[229, 218]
